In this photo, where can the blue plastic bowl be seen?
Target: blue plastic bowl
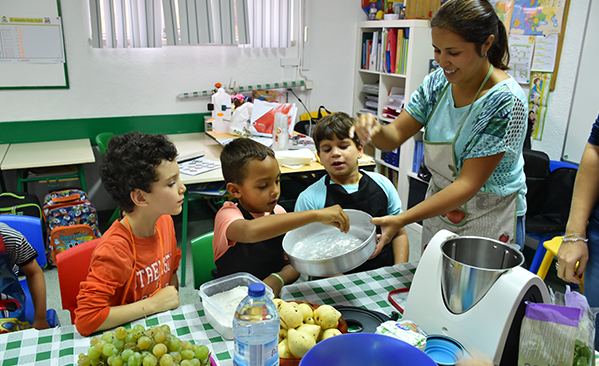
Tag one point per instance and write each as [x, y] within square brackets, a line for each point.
[445, 351]
[365, 349]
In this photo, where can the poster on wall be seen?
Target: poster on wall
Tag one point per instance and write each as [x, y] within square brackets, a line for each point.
[537, 102]
[537, 17]
[504, 9]
[521, 52]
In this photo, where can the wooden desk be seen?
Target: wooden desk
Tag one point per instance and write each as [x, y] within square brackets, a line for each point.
[47, 154]
[3, 149]
[213, 148]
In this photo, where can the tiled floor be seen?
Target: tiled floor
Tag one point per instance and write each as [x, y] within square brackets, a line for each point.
[201, 220]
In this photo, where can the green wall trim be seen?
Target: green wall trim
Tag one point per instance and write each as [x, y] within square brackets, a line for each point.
[70, 129]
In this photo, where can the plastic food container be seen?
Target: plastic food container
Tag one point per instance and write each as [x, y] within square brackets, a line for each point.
[219, 316]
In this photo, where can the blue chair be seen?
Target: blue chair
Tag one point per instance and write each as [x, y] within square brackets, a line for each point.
[31, 228]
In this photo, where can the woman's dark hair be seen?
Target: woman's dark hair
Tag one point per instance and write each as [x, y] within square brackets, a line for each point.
[237, 155]
[335, 124]
[475, 21]
[130, 163]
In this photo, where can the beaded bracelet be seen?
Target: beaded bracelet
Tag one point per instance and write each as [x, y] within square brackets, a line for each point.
[574, 239]
[279, 277]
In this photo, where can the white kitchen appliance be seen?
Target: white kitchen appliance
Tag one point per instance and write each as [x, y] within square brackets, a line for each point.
[473, 290]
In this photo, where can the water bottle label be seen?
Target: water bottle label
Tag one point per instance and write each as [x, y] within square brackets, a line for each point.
[256, 354]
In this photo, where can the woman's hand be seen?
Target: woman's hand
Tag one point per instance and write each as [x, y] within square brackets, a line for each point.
[365, 127]
[390, 225]
[569, 255]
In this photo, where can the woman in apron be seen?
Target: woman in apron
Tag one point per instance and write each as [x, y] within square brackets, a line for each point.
[475, 119]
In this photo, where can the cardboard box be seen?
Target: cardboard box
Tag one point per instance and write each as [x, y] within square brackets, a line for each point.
[267, 95]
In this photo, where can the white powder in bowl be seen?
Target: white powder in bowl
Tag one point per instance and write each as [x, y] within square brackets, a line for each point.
[228, 301]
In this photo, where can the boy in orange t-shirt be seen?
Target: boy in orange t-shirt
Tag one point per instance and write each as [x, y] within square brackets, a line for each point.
[133, 270]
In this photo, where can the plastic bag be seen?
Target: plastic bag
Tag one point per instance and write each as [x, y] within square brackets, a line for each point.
[263, 117]
[562, 333]
[584, 346]
[548, 335]
[240, 120]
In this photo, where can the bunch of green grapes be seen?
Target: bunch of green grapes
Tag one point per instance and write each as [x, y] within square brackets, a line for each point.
[138, 346]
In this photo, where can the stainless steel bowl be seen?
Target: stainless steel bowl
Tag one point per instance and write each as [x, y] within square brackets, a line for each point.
[360, 226]
[471, 265]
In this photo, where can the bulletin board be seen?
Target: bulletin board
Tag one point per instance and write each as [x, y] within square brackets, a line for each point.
[32, 52]
[584, 108]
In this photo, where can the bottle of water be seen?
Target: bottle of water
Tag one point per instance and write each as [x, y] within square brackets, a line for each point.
[256, 329]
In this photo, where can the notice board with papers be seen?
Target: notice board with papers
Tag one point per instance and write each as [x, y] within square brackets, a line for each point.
[32, 52]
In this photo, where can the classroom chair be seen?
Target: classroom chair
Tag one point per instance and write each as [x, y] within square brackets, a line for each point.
[73, 267]
[552, 247]
[202, 259]
[31, 228]
[102, 142]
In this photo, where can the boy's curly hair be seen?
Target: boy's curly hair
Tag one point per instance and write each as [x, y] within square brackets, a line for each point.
[130, 162]
[335, 124]
[236, 156]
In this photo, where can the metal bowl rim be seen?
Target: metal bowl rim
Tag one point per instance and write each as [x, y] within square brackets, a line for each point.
[364, 244]
[445, 256]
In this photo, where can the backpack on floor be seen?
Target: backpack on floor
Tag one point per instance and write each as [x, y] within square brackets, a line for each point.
[20, 204]
[70, 220]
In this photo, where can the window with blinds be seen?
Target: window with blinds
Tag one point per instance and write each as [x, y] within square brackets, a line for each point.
[153, 23]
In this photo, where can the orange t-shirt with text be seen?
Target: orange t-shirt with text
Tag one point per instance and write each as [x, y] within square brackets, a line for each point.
[111, 268]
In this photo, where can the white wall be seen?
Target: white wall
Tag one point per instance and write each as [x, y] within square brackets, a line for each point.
[560, 100]
[125, 82]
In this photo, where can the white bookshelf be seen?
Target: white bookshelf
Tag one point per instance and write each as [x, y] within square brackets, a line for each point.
[419, 52]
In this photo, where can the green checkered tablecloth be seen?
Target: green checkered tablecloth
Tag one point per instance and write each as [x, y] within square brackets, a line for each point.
[61, 346]
[368, 289]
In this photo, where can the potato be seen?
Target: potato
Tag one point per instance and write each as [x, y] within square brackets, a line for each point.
[309, 320]
[277, 301]
[299, 342]
[306, 309]
[290, 315]
[282, 334]
[326, 316]
[311, 329]
[328, 333]
[284, 349]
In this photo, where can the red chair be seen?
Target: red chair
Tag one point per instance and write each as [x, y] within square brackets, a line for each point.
[73, 267]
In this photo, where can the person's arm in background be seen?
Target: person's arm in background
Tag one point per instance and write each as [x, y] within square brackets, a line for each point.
[586, 192]
[288, 274]
[37, 288]
[401, 246]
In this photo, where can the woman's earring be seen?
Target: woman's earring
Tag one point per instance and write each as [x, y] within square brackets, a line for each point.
[486, 53]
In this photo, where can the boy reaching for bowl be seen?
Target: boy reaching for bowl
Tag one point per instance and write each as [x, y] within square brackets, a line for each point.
[346, 185]
[248, 231]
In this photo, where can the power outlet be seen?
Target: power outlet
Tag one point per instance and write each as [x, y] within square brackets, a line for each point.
[309, 85]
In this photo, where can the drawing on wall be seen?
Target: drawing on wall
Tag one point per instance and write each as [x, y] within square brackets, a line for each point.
[504, 9]
[537, 102]
[537, 17]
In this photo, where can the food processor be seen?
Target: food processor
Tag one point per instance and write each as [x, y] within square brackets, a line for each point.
[473, 289]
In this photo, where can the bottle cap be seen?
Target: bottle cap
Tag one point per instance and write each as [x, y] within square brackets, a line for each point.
[256, 289]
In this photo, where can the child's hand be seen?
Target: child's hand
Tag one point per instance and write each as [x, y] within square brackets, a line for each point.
[40, 324]
[334, 216]
[365, 127]
[165, 299]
